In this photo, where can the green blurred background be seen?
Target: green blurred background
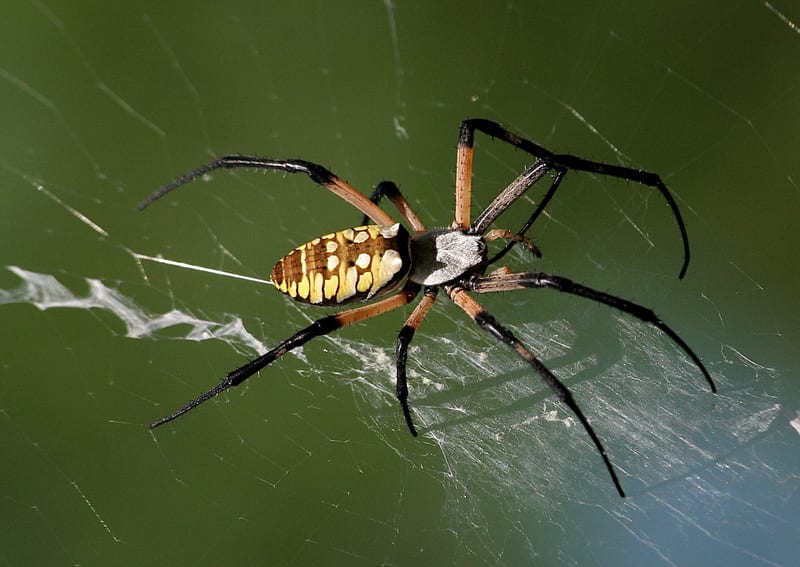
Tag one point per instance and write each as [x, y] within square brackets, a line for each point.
[310, 462]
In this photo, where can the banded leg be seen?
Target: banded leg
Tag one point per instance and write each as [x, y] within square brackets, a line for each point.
[389, 190]
[561, 162]
[401, 351]
[487, 322]
[317, 173]
[464, 152]
[316, 329]
[508, 282]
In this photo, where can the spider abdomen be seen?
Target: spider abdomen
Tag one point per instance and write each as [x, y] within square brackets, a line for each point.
[351, 265]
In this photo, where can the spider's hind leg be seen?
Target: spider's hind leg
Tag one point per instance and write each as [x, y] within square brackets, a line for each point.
[318, 328]
[390, 190]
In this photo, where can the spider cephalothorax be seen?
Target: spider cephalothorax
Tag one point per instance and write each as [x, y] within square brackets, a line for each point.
[441, 256]
[389, 264]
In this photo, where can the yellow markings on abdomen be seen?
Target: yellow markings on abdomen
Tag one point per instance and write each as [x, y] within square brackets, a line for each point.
[355, 264]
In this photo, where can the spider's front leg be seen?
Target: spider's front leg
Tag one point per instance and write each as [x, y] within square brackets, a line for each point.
[561, 163]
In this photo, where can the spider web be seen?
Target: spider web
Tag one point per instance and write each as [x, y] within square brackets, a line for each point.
[311, 459]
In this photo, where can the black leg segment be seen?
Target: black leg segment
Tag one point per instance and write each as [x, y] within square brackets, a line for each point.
[235, 377]
[567, 161]
[508, 282]
[494, 328]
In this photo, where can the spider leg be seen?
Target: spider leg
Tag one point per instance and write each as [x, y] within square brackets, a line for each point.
[507, 196]
[511, 193]
[316, 172]
[389, 190]
[562, 161]
[403, 340]
[464, 153]
[508, 282]
[514, 237]
[559, 176]
[316, 329]
[486, 321]
[645, 178]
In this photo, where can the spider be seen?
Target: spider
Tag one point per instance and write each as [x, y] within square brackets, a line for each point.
[390, 264]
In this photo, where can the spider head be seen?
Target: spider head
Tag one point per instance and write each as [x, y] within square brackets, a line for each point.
[443, 255]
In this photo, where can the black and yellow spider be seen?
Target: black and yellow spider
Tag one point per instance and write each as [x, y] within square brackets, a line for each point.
[387, 263]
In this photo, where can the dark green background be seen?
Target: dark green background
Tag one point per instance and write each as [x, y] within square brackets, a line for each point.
[310, 463]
